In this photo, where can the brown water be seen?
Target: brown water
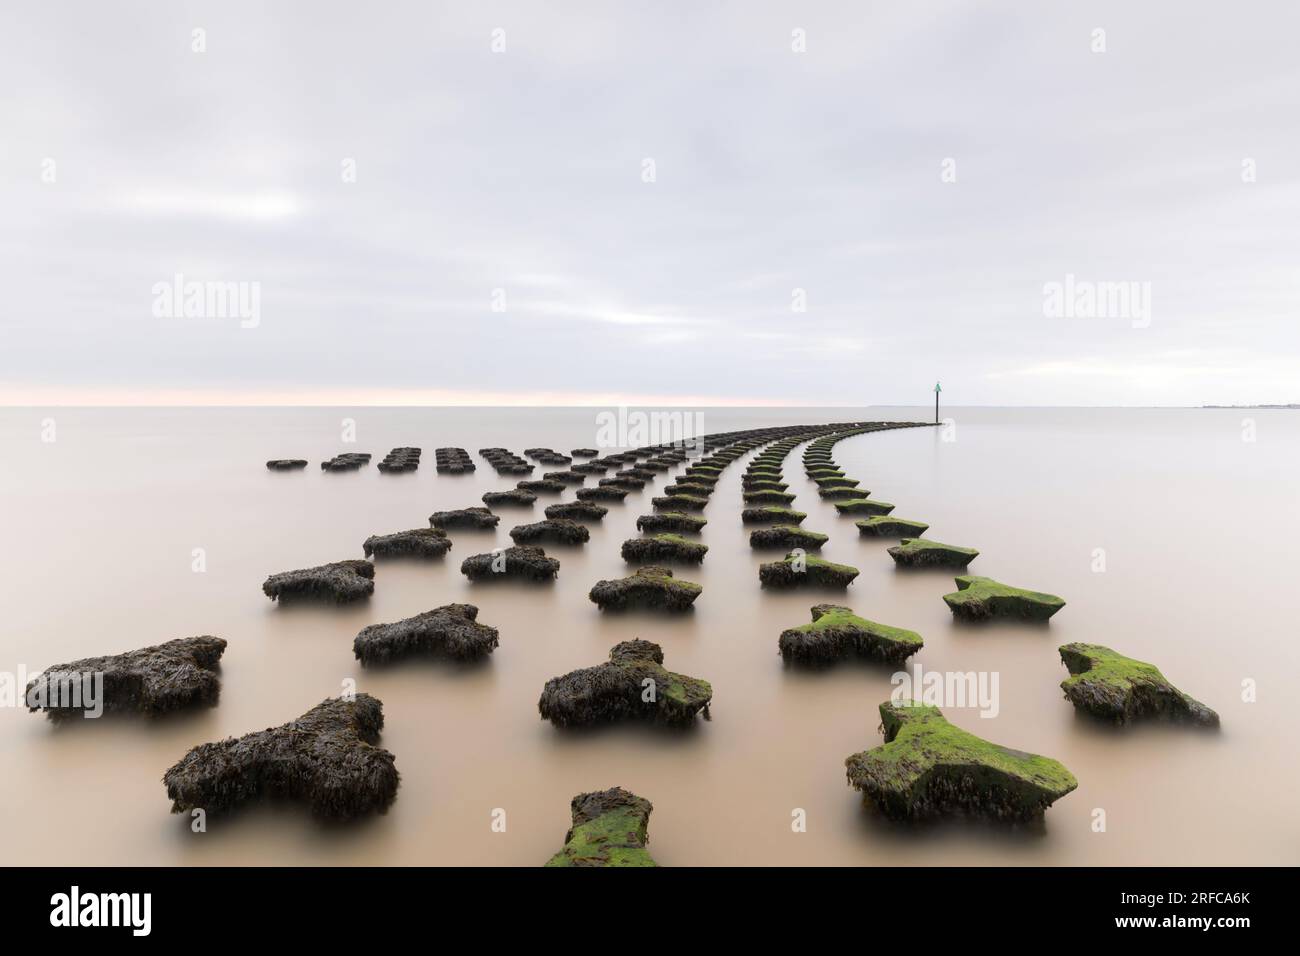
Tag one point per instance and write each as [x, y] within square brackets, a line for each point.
[1198, 527]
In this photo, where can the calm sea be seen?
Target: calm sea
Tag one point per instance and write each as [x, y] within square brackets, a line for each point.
[1171, 533]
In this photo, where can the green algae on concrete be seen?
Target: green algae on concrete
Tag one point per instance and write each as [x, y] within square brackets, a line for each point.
[798, 570]
[836, 633]
[883, 526]
[765, 513]
[863, 506]
[610, 828]
[664, 547]
[929, 768]
[1108, 685]
[632, 685]
[978, 599]
[924, 553]
[786, 536]
[651, 587]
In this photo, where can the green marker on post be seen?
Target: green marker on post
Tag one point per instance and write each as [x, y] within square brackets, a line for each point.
[937, 389]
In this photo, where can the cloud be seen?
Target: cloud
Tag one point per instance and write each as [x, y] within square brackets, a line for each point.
[776, 171]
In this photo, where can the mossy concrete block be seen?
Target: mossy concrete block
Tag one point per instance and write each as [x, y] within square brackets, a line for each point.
[929, 768]
[978, 599]
[610, 828]
[664, 547]
[1108, 685]
[602, 493]
[764, 514]
[680, 502]
[632, 685]
[558, 530]
[525, 562]
[329, 758]
[153, 681]
[836, 633]
[787, 536]
[479, 518]
[884, 526]
[804, 570]
[863, 506]
[576, 511]
[418, 543]
[649, 587]
[767, 497]
[517, 497]
[924, 553]
[340, 581]
[675, 521]
[451, 631]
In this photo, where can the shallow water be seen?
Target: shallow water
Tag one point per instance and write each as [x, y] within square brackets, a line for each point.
[1197, 526]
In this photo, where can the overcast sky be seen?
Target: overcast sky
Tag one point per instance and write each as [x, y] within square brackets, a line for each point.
[127, 158]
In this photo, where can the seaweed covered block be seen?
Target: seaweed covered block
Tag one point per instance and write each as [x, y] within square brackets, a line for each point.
[560, 530]
[764, 514]
[329, 758]
[680, 502]
[786, 536]
[836, 633]
[841, 494]
[286, 464]
[883, 526]
[480, 518]
[649, 587]
[977, 599]
[799, 570]
[707, 479]
[839, 481]
[923, 553]
[418, 543]
[632, 685]
[448, 631]
[584, 453]
[664, 547]
[689, 488]
[153, 680]
[630, 482]
[929, 768]
[863, 506]
[1108, 685]
[576, 511]
[767, 497]
[513, 496]
[542, 486]
[565, 477]
[341, 581]
[348, 461]
[676, 521]
[610, 828]
[525, 562]
[602, 493]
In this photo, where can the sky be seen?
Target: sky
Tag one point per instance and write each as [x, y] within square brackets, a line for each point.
[715, 203]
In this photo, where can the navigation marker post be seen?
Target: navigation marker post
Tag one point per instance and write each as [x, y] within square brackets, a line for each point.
[937, 389]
